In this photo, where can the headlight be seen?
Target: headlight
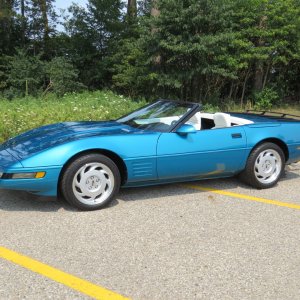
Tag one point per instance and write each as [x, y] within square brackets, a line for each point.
[28, 175]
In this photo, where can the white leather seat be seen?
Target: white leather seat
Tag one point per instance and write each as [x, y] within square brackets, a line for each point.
[195, 120]
[222, 120]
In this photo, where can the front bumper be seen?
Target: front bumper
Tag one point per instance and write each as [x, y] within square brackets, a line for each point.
[46, 186]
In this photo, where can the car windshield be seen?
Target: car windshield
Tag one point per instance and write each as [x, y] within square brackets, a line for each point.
[160, 116]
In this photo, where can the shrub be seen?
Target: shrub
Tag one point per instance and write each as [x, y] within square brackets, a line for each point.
[265, 99]
[62, 76]
[25, 74]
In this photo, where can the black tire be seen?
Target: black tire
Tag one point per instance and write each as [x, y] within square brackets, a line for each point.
[88, 175]
[250, 175]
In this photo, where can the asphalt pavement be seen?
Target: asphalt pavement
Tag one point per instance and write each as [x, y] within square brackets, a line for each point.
[165, 242]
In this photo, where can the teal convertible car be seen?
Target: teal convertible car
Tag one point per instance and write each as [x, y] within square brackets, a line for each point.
[166, 141]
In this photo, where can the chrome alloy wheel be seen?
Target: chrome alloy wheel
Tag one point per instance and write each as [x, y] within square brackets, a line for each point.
[93, 183]
[268, 166]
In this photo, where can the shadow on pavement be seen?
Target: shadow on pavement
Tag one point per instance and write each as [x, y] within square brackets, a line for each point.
[291, 172]
[153, 192]
[167, 190]
[22, 201]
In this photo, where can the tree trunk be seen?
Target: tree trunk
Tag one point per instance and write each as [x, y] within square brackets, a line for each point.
[231, 90]
[23, 22]
[154, 10]
[244, 86]
[266, 75]
[259, 76]
[131, 9]
[44, 10]
[154, 13]
[259, 65]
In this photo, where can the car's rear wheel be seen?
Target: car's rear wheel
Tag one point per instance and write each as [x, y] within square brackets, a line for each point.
[264, 167]
[90, 182]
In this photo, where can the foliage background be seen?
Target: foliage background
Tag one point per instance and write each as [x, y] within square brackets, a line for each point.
[26, 113]
[219, 52]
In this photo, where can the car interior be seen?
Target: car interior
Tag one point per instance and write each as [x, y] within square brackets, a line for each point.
[202, 120]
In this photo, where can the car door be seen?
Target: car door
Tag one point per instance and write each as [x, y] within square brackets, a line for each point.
[204, 153]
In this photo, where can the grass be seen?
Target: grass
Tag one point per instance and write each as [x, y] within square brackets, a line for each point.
[20, 115]
[288, 109]
[293, 109]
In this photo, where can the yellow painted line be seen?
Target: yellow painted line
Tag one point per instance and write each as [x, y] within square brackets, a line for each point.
[69, 280]
[242, 196]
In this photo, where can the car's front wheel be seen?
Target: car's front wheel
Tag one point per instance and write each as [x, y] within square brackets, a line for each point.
[265, 166]
[90, 182]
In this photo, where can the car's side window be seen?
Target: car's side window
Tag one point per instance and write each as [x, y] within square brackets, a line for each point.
[207, 123]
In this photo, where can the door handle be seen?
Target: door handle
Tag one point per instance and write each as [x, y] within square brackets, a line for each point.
[236, 135]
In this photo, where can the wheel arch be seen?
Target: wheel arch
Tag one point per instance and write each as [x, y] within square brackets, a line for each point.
[110, 154]
[277, 142]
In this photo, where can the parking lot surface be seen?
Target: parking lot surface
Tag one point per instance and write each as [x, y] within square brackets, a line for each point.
[165, 242]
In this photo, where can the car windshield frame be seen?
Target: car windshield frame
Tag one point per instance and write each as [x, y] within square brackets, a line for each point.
[132, 118]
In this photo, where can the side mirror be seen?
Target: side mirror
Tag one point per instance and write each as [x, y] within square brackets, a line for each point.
[186, 129]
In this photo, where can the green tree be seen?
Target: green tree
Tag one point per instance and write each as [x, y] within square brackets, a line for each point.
[62, 76]
[41, 25]
[203, 50]
[8, 32]
[26, 74]
[207, 49]
[90, 33]
[4, 62]
[192, 40]
[130, 73]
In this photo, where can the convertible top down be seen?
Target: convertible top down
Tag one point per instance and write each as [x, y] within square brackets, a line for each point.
[165, 141]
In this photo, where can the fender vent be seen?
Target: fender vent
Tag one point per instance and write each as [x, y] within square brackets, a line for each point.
[141, 169]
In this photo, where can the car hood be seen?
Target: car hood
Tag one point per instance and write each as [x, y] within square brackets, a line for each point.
[45, 137]
[8, 161]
